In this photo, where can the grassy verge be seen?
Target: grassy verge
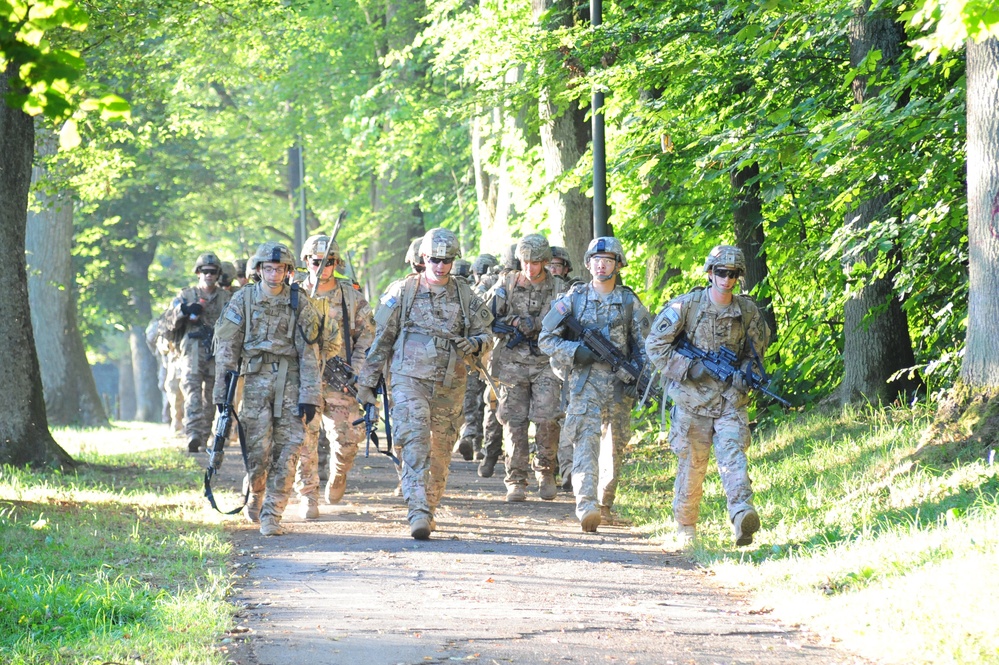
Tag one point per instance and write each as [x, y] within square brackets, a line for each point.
[898, 561]
[115, 562]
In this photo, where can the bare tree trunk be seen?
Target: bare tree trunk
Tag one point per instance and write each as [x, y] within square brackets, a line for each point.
[24, 430]
[126, 388]
[565, 135]
[70, 392]
[749, 236]
[145, 371]
[981, 355]
[876, 343]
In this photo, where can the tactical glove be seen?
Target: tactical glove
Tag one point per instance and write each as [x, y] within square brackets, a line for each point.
[526, 324]
[466, 346]
[194, 309]
[739, 381]
[697, 371]
[366, 395]
[583, 356]
[307, 410]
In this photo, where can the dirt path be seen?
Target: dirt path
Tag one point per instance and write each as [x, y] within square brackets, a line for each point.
[498, 583]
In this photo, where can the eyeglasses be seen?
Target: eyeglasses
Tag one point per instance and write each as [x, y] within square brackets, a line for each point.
[273, 270]
[725, 273]
[434, 259]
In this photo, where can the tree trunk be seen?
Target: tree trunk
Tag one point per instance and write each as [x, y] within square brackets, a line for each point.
[981, 356]
[747, 214]
[565, 135]
[126, 388]
[70, 392]
[24, 430]
[876, 341]
[145, 371]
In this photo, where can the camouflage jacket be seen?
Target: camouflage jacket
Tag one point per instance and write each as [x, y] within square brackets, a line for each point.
[512, 298]
[361, 322]
[183, 327]
[415, 329]
[620, 316]
[256, 329]
[708, 327]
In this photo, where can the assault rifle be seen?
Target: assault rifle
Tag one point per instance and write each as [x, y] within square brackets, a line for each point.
[223, 426]
[628, 370]
[204, 334]
[338, 375]
[518, 337]
[723, 364]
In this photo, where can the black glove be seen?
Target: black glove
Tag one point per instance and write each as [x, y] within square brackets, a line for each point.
[366, 395]
[307, 410]
[583, 356]
[194, 308]
[697, 371]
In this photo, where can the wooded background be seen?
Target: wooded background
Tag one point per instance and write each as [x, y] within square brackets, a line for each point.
[850, 148]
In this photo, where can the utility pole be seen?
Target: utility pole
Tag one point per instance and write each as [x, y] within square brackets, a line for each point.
[296, 180]
[600, 227]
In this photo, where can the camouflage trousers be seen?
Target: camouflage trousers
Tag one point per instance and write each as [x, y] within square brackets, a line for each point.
[690, 438]
[532, 397]
[480, 418]
[174, 396]
[598, 429]
[273, 444]
[425, 421]
[197, 381]
[339, 412]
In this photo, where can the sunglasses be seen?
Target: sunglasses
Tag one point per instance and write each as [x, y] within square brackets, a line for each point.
[725, 273]
[446, 262]
[319, 262]
[210, 271]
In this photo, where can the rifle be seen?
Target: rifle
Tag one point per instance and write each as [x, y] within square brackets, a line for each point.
[626, 369]
[223, 426]
[518, 336]
[340, 376]
[204, 334]
[326, 254]
[723, 364]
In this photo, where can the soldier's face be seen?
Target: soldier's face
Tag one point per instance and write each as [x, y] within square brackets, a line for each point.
[535, 270]
[208, 277]
[724, 278]
[272, 274]
[438, 271]
[557, 267]
[314, 263]
[603, 266]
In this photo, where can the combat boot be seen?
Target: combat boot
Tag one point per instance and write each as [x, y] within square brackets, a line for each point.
[193, 446]
[547, 489]
[609, 518]
[465, 448]
[419, 528]
[590, 521]
[745, 525]
[309, 506]
[486, 467]
[335, 488]
[433, 524]
[251, 511]
[515, 494]
[685, 534]
[271, 526]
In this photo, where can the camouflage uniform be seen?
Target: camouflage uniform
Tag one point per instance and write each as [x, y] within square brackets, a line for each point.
[598, 414]
[273, 344]
[707, 411]
[196, 362]
[529, 389]
[340, 410]
[417, 326]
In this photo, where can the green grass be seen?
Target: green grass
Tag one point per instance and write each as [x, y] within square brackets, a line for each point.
[115, 562]
[897, 561]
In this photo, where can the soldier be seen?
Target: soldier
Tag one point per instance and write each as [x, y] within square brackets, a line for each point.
[348, 329]
[561, 266]
[428, 327]
[598, 415]
[529, 389]
[241, 278]
[269, 331]
[705, 410]
[463, 269]
[470, 443]
[413, 257]
[190, 319]
[227, 276]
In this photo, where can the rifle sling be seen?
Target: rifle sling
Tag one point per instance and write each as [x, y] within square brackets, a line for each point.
[210, 471]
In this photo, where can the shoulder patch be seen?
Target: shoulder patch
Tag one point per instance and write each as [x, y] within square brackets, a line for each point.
[233, 314]
[389, 301]
[562, 306]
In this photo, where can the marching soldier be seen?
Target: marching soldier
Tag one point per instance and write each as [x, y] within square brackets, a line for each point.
[348, 329]
[598, 415]
[190, 319]
[269, 332]
[429, 326]
[707, 411]
[529, 389]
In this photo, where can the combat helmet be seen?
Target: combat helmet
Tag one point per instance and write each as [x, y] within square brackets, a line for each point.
[482, 264]
[271, 252]
[207, 259]
[725, 255]
[228, 273]
[606, 245]
[462, 268]
[440, 243]
[318, 245]
[241, 268]
[561, 253]
[510, 260]
[534, 247]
